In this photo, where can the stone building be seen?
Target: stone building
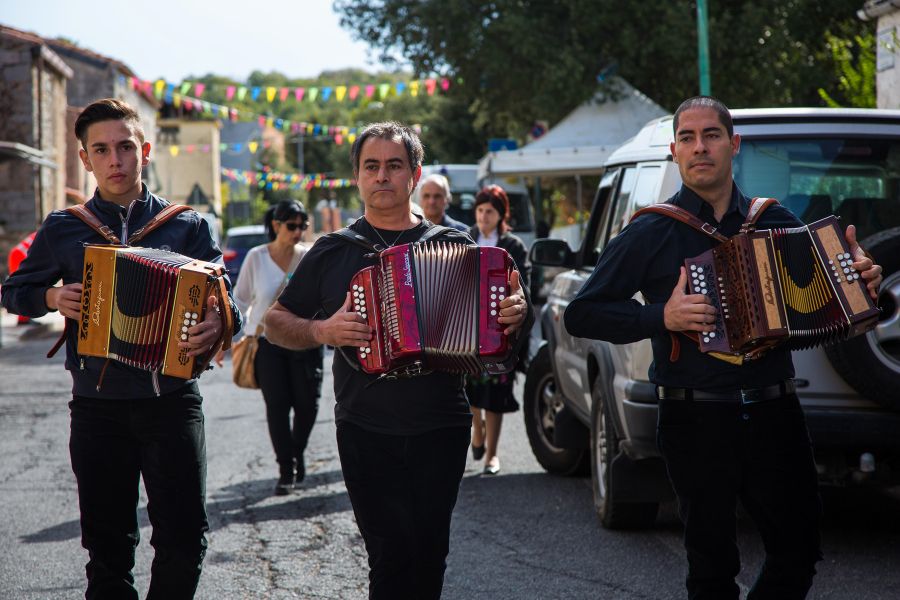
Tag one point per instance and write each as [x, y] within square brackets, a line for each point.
[33, 82]
[887, 79]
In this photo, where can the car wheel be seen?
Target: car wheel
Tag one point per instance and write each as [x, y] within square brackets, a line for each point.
[604, 448]
[870, 363]
[541, 404]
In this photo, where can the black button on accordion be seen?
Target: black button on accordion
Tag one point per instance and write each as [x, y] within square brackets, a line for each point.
[793, 286]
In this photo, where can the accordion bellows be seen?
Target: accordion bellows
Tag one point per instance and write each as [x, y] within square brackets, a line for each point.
[793, 286]
[138, 303]
[434, 306]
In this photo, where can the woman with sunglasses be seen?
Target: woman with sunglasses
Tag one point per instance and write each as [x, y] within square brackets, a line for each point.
[289, 379]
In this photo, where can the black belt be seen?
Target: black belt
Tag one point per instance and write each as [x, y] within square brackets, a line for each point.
[743, 396]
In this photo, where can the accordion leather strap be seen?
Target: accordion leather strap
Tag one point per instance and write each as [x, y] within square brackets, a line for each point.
[757, 207]
[680, 214]
[91, 220]
[160, 218]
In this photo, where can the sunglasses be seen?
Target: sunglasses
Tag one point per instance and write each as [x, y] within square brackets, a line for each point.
[295, 226]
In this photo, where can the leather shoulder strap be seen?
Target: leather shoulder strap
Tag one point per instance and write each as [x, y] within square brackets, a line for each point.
[346, 234]
[161, 217]
[757, 206]
[433, 231]
[679, 214]
[91, 220]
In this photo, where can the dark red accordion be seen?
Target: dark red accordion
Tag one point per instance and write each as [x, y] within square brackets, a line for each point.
[434, 306]
[782, 286]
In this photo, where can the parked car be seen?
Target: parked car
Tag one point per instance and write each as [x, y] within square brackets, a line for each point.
[238, 241]
[590, 405]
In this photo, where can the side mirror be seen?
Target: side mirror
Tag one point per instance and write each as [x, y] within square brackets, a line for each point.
[552, 253]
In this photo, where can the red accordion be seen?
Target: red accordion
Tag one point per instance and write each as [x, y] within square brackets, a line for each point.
[782, 286]
[434, 307]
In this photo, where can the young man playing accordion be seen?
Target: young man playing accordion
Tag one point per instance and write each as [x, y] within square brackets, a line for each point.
[127, 422]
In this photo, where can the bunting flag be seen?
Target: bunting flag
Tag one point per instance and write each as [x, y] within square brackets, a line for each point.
[274, 180]
[317, 131]
[339, 92]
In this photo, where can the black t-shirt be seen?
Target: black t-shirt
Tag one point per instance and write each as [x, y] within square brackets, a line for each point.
[402, 406]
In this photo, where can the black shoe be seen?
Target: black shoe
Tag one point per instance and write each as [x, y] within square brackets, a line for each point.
[477, 452]
[299, 471]
[285, 484]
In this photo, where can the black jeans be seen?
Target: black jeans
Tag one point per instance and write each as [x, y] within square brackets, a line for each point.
[112, 444]
[289, 379]
[717, 452]
[403, 490]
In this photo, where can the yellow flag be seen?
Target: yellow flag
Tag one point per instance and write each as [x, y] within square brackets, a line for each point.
[253, 146]
[270, 93]
[176, 100]
[413, 88]
[339, 92]
[173, 150]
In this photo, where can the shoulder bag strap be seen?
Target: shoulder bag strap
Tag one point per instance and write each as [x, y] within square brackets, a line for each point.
[91, 220]
[434, 231]
[160, 218]
[679, 214]
[757, 206]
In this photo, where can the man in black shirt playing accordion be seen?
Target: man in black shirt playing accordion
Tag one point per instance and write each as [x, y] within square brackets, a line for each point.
[128, 422]
[726, 430]
[402, 441]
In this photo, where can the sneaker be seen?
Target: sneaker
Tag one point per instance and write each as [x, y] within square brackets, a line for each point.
[299, 470]
[492, 468]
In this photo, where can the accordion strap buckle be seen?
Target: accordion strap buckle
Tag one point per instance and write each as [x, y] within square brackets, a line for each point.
[708, 229]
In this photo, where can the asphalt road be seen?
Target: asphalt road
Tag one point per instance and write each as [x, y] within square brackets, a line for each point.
[520, 535]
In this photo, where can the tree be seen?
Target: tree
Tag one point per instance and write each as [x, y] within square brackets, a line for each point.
[855, 65]
[521, 60]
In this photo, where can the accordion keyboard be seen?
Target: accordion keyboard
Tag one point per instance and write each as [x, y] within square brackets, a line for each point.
[703, 280]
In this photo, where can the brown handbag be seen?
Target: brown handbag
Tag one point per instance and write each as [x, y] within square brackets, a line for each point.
[243, 352]
[243, 355]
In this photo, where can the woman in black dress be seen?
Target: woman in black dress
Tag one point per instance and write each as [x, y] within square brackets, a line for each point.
[493, 394]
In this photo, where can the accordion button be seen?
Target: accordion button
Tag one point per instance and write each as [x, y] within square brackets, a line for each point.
[699, 269]
[183, 336]
[846, 270]
[706, 339]
[501, 289]
[193, 322]
[493, 288]
[184, 329]
[493, 296]
[194, 315]
[693, 267]
[712, 334]
[493, 305]
[501, 296]
[493, 313]
[187, 315]
[187, 321]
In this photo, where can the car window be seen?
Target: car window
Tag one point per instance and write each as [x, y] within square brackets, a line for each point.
[246, 241]
[646, 185]
[597, 240]
[855, 179]
[622, 202]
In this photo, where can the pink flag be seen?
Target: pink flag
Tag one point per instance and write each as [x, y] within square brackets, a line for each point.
[354, 92]
[445, 84]
[262, 121]
[283, 94]
[229, 92]
[430, 85]
[198, 89]
[298, 93]
[370, 89]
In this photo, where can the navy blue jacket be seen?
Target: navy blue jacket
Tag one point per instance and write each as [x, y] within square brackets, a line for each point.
[645, 257]
[58, 253]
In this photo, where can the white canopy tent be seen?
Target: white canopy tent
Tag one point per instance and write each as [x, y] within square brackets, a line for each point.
[580, 143]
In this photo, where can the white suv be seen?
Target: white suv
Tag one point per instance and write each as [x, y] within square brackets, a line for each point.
[589, 403]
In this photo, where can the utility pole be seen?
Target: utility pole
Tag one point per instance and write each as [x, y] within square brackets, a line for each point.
[703, 47]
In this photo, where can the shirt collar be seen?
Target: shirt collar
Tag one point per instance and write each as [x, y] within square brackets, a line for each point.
[691, 201]
[105, 206]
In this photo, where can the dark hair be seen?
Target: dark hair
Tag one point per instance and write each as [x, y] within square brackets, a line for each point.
[389, 130]
[108, 109]
[285, 210]
[706, 102]
[498, 199]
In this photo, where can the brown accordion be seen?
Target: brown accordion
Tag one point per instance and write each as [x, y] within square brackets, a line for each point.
[434, 307]
[138, 303]
[793, 286]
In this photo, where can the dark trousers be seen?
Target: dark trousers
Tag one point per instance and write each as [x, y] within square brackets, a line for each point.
[761, 453]
[403, 490]
[112, 444]
[289, 379]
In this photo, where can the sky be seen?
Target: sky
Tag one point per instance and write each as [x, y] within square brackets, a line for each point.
[177, 40]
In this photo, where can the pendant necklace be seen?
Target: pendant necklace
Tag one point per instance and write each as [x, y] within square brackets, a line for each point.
[384, 241]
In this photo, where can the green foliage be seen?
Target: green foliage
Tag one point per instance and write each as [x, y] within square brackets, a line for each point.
[523, 60]
[854, 62]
